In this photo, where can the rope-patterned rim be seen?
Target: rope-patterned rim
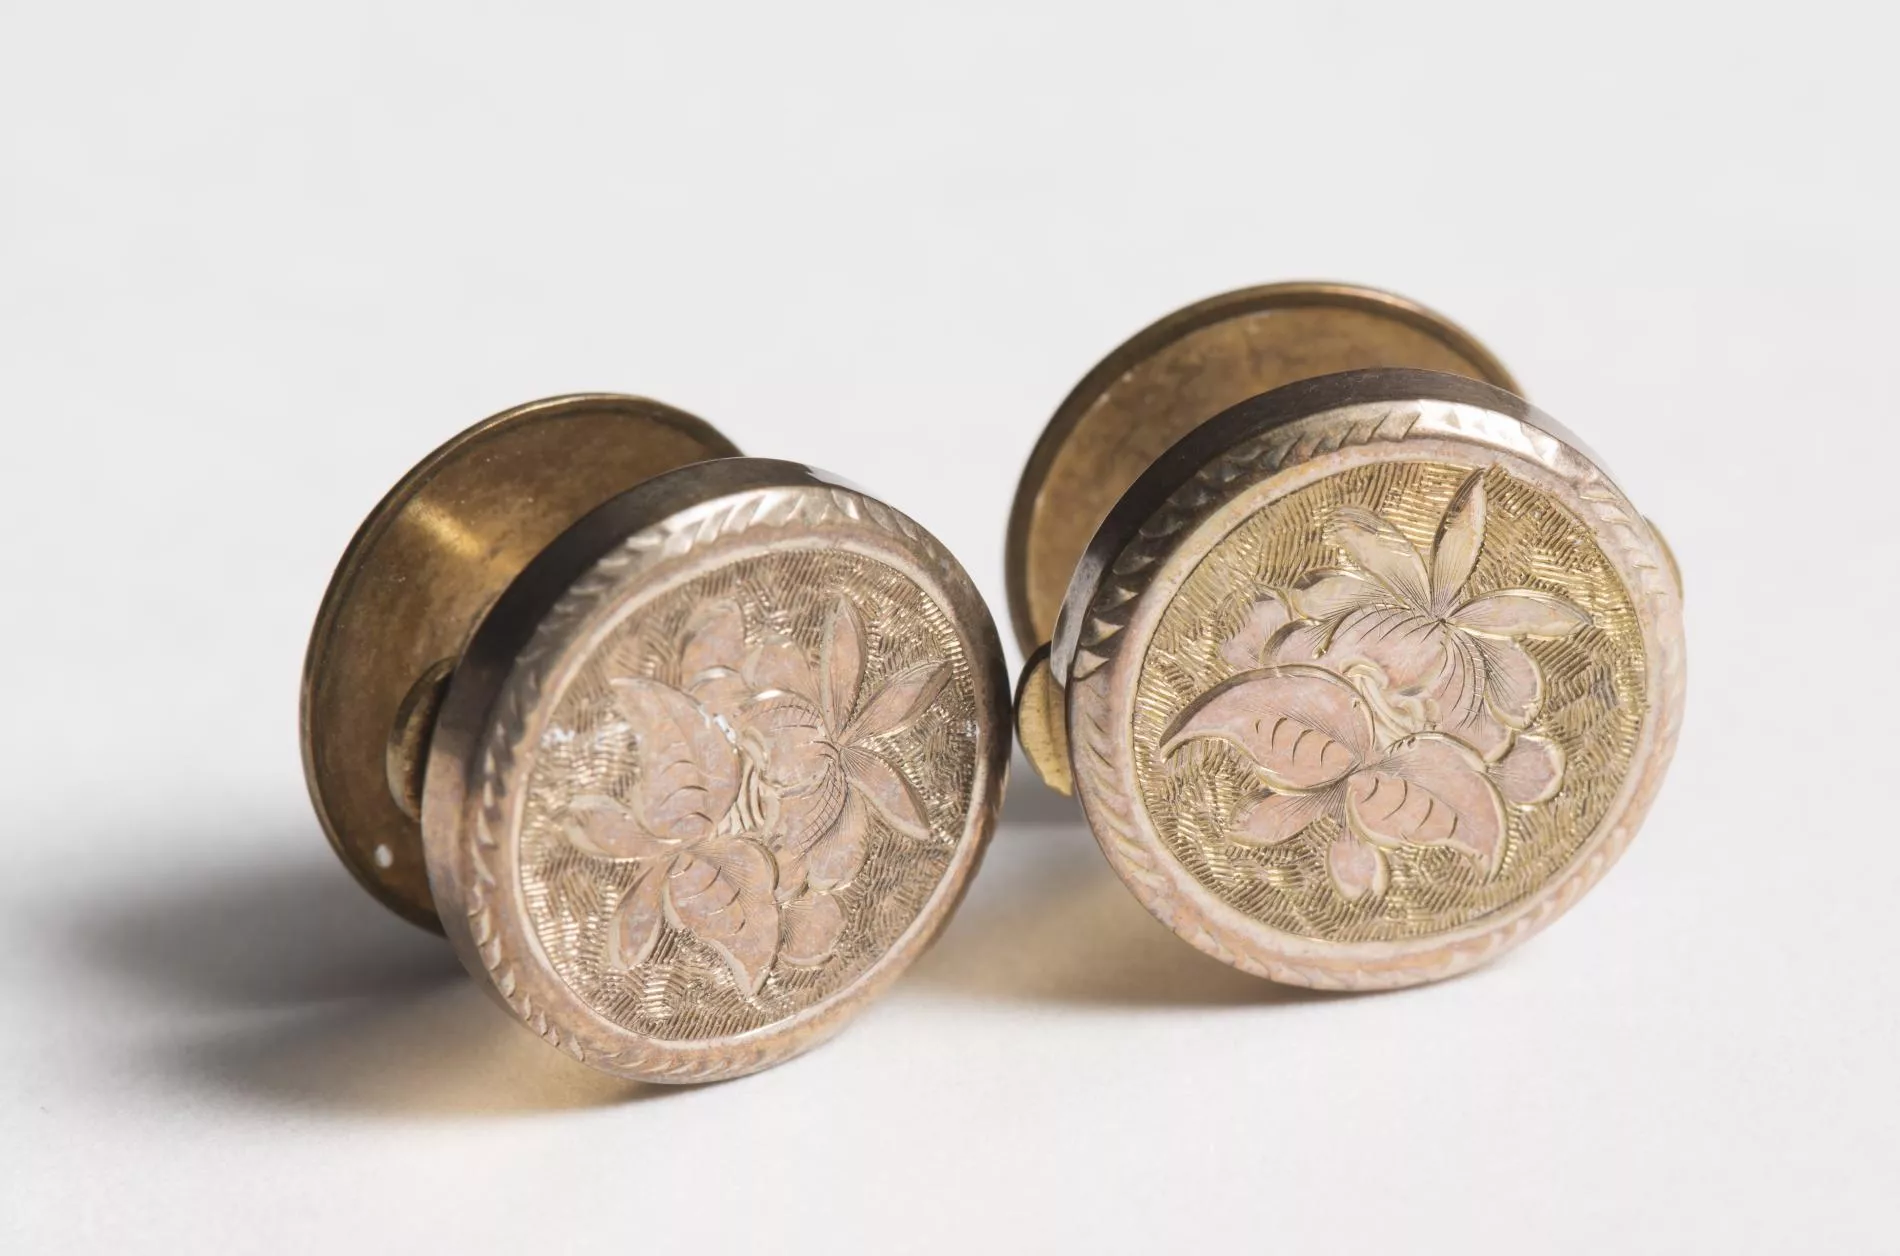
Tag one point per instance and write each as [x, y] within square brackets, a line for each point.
[1107, 659]
[481, 842]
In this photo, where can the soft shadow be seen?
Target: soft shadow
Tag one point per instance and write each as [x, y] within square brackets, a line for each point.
[302, 991]
[269, 933]
[1049, 921]
[448, 1052]
[1028, 803]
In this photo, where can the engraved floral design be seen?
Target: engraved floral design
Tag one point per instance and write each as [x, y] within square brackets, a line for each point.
[1385, 698]
[757, 781]
[1429, 656]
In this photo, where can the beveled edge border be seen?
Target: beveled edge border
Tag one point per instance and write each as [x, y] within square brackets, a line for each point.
[476, 766]
[1273, 437]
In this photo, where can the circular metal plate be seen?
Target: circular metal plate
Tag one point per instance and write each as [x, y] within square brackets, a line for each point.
[1370, 678]
[715, 769]
[1178, 373]
[430, 558]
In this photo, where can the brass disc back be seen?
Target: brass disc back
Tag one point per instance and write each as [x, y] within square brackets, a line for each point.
[1176, 374]
[422, 571]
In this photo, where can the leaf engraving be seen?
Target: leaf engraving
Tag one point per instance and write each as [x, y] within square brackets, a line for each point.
[721, 894]
[1246, 648]
[897, 705]
[789, 739]
[636, 923]
[1356, 866]
[1430, 791]
[715, 641]
[1460, 536]
[1531, 772]
[812, 925]
[1305, 726]
[601, 826]
[842, 656]
[1275, 818]
[1519, 613]
[889, 792]
[689, 771]
[1326, 593]
[837, 855]
[779, 664]
[1382, 551]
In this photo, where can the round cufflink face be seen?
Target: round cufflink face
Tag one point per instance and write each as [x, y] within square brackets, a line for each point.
[699, 770]
[1177, 373]
[1370, 678]
[715, 769]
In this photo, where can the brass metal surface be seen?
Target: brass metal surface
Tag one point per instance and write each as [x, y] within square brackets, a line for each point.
[1369, 678]
[421, 570]
[1176, 374]
[1040, 729]
[409, 739]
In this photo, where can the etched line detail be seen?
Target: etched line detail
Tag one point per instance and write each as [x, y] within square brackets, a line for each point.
[745, 793]
[1396, 702]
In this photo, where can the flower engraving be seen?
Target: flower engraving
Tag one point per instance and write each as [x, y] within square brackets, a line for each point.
[758, 780]
[1385, 697]
[1428, 656]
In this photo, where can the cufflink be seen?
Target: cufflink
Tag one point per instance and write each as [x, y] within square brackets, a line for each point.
[688, 754]
[1363, 668]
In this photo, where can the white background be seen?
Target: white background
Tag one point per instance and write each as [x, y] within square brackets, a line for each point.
[255, 260]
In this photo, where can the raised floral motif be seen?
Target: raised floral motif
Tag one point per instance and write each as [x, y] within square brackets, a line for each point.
[758, 781]
[1386, 697]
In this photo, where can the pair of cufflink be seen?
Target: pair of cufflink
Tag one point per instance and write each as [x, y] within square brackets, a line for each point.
[1364, 670]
